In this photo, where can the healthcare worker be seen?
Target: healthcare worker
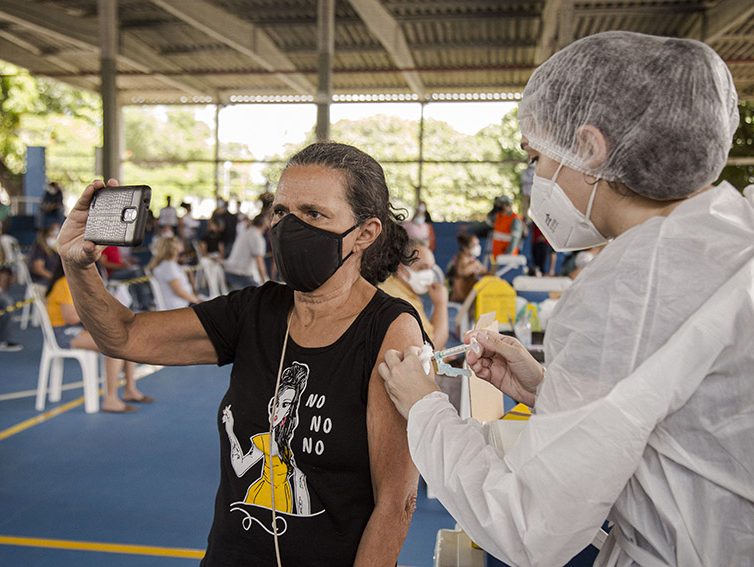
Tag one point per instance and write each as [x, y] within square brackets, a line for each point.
[644, 410]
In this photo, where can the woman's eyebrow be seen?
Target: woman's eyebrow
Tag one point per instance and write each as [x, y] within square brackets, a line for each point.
[312, 207]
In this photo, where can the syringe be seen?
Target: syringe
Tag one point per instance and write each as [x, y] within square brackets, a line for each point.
[438, 357]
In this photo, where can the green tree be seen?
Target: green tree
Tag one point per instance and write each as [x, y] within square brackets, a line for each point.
[39, 111]
[453, 191]
[743, 147]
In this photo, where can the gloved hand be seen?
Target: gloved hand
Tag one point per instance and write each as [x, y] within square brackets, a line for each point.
[405, 380]
[506, 364]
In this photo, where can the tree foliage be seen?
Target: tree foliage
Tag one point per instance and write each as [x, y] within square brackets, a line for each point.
[38, 111]
[458, 189]
[743, 146]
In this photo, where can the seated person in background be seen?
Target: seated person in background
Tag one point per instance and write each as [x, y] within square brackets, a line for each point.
[173, 281]
[43, 259]
[70, 334]
[211, 244]
[410, 282]
[465, 269]
[6, 278]
[245, 265]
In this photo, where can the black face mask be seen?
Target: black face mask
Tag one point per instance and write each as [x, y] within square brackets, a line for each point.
[306, 256]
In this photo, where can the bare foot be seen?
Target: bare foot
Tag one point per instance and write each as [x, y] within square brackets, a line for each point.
[116, 406]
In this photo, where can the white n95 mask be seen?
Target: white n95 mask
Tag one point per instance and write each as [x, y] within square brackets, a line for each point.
[420, 280]
[564, 226]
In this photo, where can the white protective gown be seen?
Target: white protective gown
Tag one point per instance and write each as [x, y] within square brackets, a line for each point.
[645, 415]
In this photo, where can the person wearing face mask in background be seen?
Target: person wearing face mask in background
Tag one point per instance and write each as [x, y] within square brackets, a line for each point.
[643, 411]
[465, 269]
[43, 257]
[51, 209]
[420, 226]
[507, 227]
[336, 465]
[412, 281]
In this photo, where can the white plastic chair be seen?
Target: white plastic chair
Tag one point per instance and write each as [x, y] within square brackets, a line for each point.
[51, 366]
[506, 262]
[214, 274]
[159, 299]
[30, 289]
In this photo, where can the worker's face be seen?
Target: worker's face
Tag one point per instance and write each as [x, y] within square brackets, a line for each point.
[574, 183]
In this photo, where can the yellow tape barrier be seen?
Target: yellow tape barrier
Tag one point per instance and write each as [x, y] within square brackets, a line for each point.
[141, 279]
[16, 306]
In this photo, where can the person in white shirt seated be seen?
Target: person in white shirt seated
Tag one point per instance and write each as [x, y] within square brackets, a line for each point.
[245, 266]
[172, 279]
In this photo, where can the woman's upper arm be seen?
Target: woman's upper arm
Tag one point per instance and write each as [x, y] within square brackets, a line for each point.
[176, 286]
[394, 477]
[174, 337]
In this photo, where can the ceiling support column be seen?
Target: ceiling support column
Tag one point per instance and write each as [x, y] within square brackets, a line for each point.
[107, 11]
[326, 44]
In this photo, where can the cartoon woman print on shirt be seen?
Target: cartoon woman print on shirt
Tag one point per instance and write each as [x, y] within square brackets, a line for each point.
[291, 493]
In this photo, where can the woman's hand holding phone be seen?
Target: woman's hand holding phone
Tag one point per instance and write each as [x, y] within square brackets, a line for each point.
[72, 247]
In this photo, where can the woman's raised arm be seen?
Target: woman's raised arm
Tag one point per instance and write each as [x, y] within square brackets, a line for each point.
[167, 337]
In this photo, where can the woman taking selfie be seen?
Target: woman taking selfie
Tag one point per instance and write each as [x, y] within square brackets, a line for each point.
[306, 422]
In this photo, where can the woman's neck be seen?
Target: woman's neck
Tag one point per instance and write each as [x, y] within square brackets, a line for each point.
[339, 298]
[633, 210]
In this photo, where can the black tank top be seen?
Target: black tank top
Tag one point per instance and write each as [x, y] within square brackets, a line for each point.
[321, 475]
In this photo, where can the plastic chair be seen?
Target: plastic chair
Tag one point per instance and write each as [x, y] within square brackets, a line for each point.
[51, 366]
[536, 290]
[30, 290]
[508, 266]
[214, 275]
[154, 285]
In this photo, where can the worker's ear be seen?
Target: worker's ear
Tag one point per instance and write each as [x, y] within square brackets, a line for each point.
[591, 146]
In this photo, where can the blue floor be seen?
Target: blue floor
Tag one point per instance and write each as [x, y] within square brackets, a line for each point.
[146, 478]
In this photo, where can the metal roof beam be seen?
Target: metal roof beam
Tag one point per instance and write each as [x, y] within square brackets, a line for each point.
[238, 34]
[725, 17]
[385, 27]
[84, 33]
[21, 53]
[549, 31]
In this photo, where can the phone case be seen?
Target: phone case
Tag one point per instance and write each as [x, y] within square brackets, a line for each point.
[118, 215]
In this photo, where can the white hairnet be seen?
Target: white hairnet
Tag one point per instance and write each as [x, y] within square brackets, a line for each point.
[667, 107]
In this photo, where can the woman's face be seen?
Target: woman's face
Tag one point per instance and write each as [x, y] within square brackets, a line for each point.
[317, 196]
[574, 183]
[285, 399]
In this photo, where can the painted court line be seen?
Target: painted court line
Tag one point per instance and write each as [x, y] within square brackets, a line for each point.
[129, 549]
[41, 418]
[141, 372]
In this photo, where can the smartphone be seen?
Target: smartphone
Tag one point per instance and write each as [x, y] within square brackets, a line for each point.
[118, 215]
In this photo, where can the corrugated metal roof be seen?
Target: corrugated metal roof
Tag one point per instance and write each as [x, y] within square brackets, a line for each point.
[454, 45]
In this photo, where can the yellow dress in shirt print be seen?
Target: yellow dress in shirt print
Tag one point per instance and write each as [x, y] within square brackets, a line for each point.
[259, 492]
[286, 474]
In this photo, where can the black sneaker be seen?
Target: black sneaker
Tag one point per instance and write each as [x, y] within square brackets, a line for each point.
[7, 346]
